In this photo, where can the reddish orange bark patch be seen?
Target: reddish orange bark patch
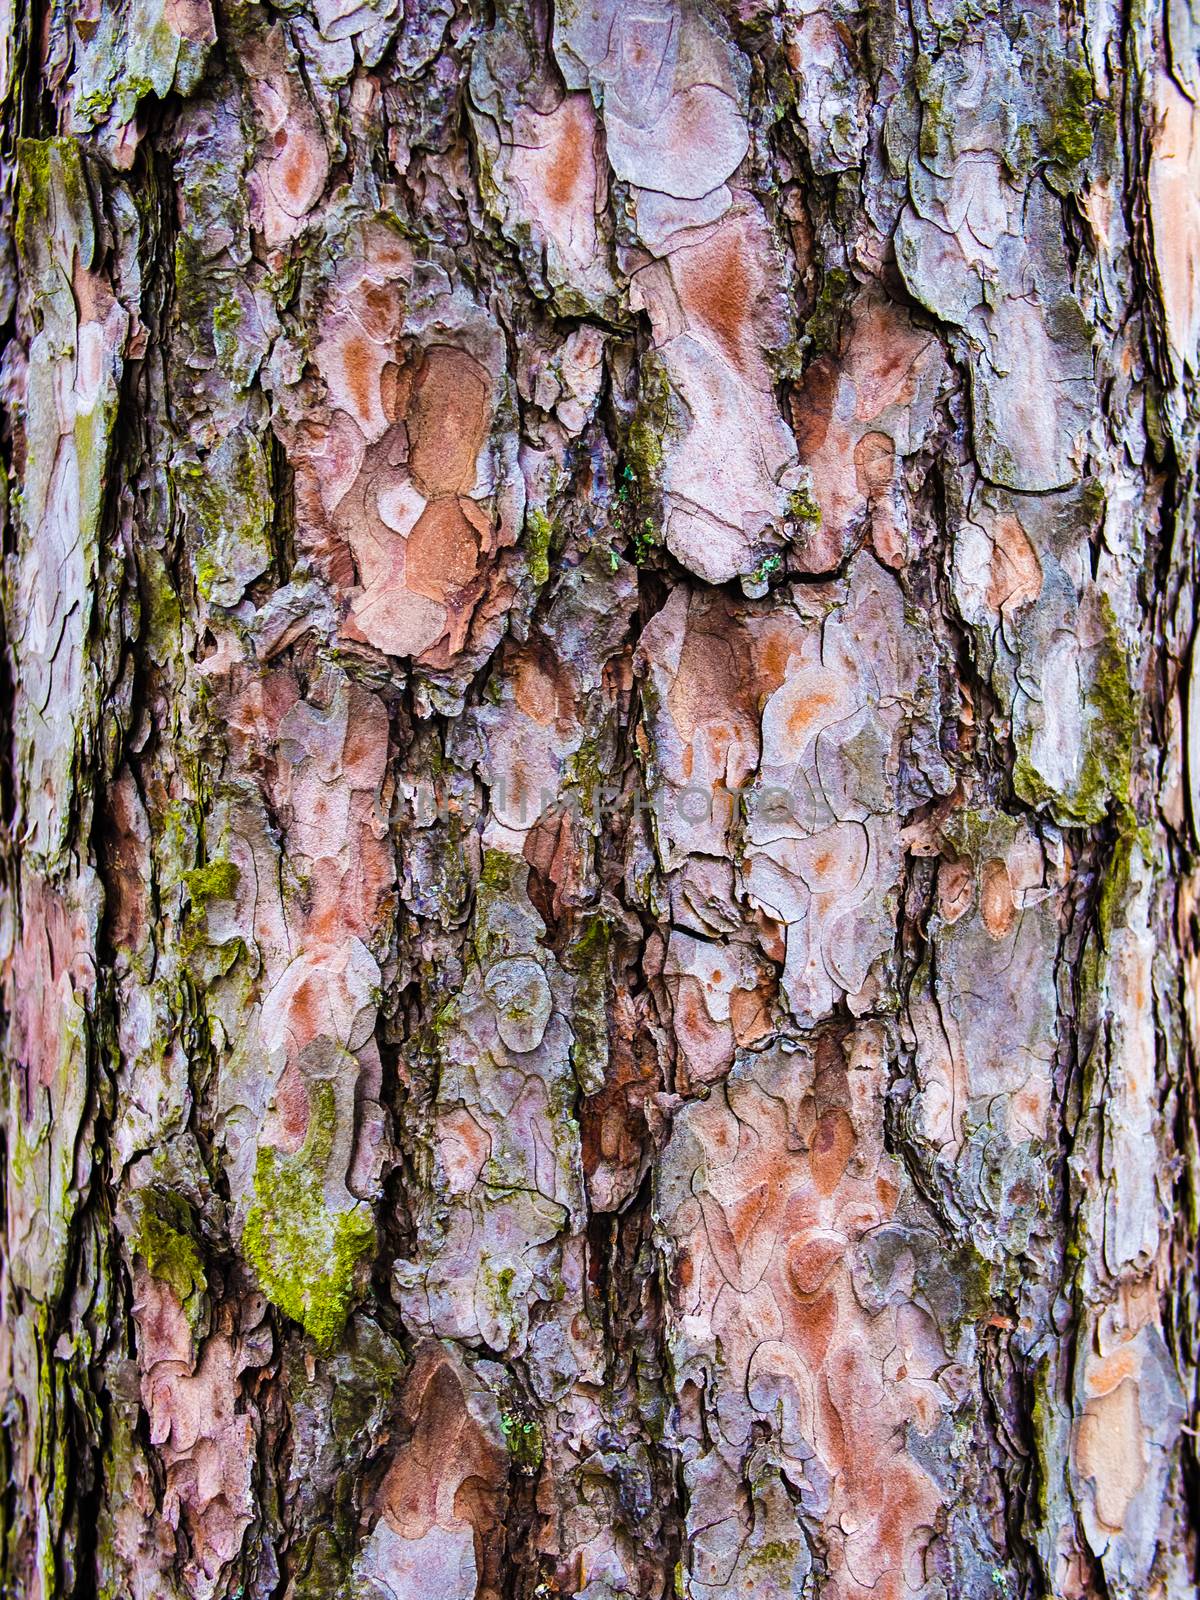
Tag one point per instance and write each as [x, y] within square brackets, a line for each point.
[569, 163]
[443, 551]
[832, 1146]
[720, 293]
[447, 421]
[1015, 573]
[996, 902]
[448, 1465]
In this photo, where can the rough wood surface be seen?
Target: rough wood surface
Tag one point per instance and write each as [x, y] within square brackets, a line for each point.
[599, 926]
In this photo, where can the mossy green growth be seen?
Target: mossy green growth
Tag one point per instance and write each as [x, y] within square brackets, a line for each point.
[193, 290]
[216, 880]
[644, 448]
[159, 603]
[498, 1286]
[321, 1569]
[121, 1463]
[524, 1440]
[236, 347]
[1068, 137]
[1047, 1433]
[498, 873]
[651, 421]
[931, 93]
[518, 1421]
[1020, 154]
[305, 1255]
[822, 325]
[207, 959]
[1093, 502]
[774, 1553]
[1156, 433]
[227, 317]
[164, 1238]
[93, 437]
[1114, 705]
[587, 958]
[802, 507]
[227, 501]
[39, 163]
[960, 1286]
[51, 1440]
[586, 775]
[646, 540]
[95, 107]
[501, 884]
[1107, 768]
[1115, 884]
[537, 545]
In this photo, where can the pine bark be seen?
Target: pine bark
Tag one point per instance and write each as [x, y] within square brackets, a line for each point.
[601, 790]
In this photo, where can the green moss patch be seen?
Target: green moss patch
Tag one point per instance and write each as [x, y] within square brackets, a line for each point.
[304, 1254]
[164, 1237]
[1106, 771]
[537, 546]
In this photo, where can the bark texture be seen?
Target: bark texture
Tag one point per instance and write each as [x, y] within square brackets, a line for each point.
[601, 778]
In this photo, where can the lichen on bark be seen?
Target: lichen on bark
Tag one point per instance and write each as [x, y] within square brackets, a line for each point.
[599, 800]
[304, 1253]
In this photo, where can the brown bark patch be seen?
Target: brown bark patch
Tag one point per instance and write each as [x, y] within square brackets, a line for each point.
[832, 1147]
[996, 903]
[1015, 573]
[442, 556]
[1110, 1449]
[451, 1472]
[447, 421]
[718, 292]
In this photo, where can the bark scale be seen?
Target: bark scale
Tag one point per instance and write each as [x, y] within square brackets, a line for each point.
[600, 798]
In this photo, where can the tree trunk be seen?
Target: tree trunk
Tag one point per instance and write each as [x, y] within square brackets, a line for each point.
[600, 920]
